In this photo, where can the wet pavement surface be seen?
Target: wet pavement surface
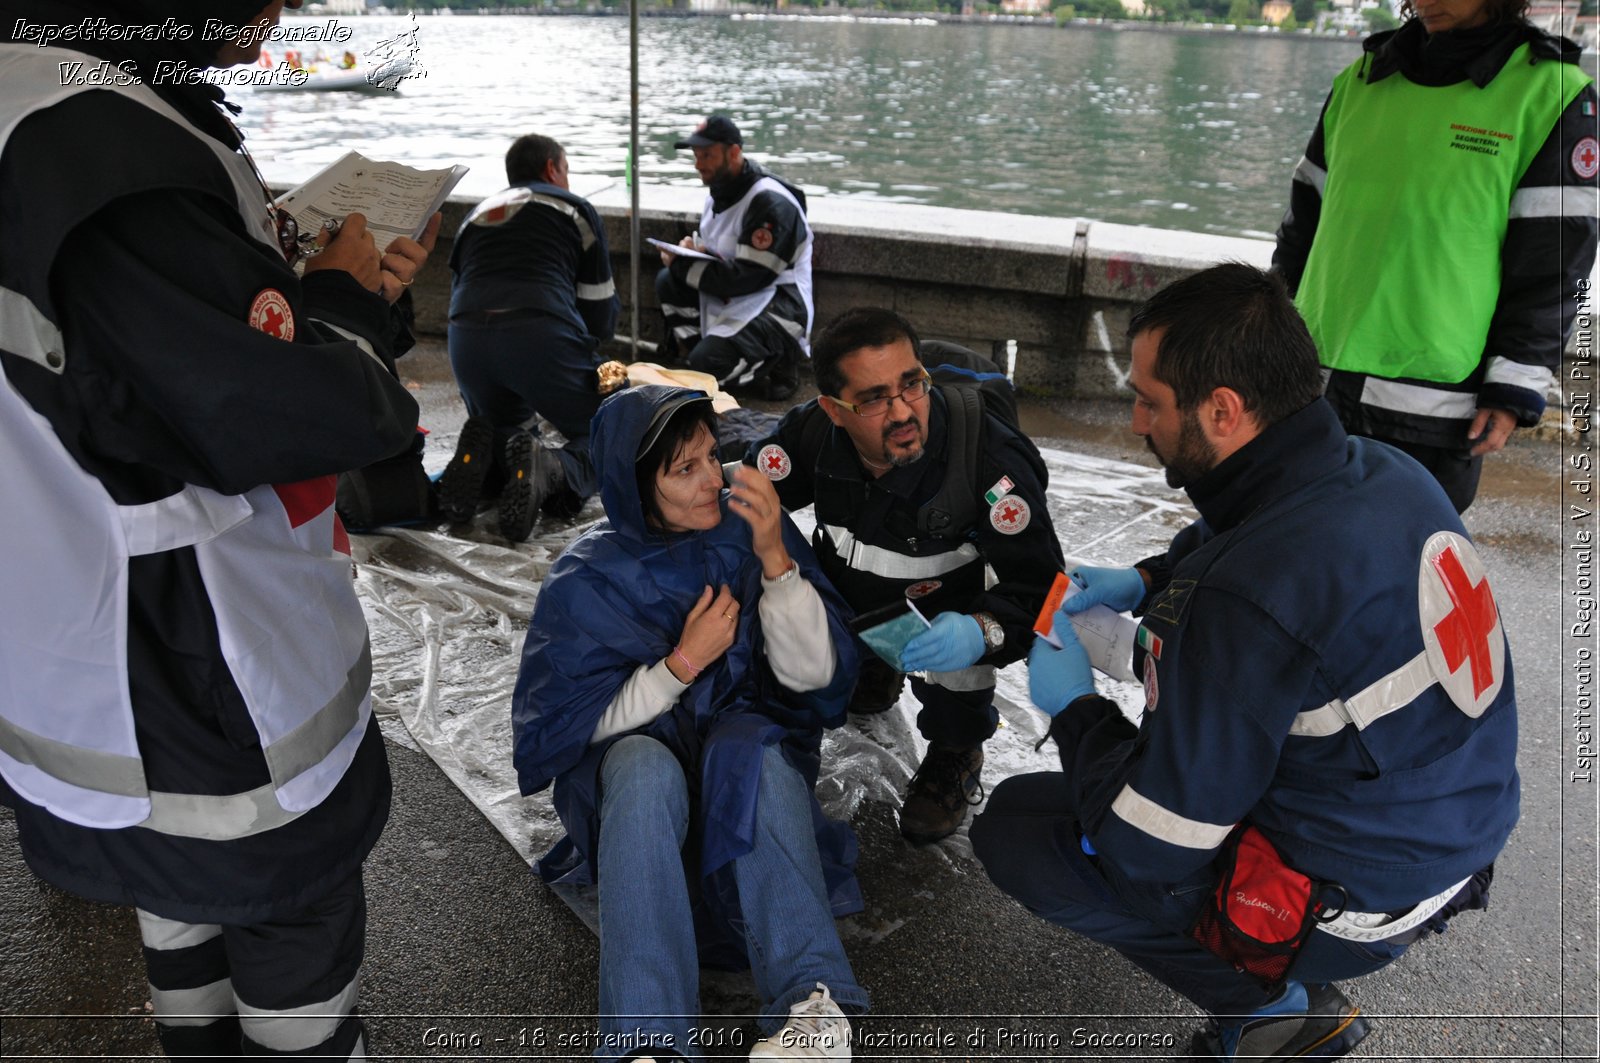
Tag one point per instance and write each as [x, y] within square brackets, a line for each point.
[470, 956]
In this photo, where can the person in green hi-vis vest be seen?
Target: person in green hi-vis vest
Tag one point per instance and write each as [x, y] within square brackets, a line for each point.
[1441, 230]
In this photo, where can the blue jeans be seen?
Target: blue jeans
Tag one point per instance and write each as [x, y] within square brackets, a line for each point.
[649, 965]
[1027, 839]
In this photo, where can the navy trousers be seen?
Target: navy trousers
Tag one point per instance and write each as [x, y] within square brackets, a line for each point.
[283, 988]
[525, 364]
[1028, 841]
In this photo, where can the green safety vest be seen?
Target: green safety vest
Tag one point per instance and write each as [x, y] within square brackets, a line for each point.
[1404, 273]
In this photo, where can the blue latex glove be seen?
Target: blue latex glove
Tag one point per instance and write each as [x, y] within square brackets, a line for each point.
[1120, 589]
[954, 642]
[1056, 678]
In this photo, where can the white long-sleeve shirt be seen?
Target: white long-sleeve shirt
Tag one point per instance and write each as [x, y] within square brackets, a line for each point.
[798, 645]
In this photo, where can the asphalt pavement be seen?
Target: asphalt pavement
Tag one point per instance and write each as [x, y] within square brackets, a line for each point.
[469, 956]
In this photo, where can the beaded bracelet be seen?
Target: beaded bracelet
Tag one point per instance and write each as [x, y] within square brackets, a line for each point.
[677, 651]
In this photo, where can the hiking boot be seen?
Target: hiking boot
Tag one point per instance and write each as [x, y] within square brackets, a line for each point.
[532, 473]
[461, 485]
[816, 1029]
[941, 791]
[878, 687]
[1303, 1022]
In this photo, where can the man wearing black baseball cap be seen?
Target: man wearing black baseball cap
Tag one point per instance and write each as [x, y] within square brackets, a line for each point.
[716, 129]
[744, 314]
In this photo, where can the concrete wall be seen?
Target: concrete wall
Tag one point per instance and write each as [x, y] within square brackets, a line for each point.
[1061, 287]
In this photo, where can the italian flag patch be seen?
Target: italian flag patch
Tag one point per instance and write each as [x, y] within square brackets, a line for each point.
[1149, 642]
[1001, 488]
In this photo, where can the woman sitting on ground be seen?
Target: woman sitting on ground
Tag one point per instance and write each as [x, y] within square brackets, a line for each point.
[676, 677]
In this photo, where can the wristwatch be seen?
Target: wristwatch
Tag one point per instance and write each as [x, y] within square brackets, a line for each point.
[994, 636]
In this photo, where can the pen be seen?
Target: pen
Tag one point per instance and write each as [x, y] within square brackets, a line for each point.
[308, 241]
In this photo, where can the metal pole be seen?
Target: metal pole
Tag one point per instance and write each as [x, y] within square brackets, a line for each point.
[633, 167]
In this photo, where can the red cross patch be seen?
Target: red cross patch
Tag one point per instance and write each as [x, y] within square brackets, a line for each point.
[500, 207]
[1152, 688]
[761, 239]
[1009, 515]
[1586, 158]
[1461, 629]
[774, 462]
[270, 313]
[927, 586]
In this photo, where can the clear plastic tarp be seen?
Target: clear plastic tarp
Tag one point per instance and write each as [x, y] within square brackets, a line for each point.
[448, 610]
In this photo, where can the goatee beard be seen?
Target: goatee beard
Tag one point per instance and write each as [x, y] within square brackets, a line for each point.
[900, 460]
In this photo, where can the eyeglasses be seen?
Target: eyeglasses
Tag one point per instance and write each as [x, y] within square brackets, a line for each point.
[915, 391]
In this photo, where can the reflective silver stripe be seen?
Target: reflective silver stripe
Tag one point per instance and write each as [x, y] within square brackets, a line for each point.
[308, 744]
[1390, 693]
[683, 332]
[696, 271]
[1503, 370]
[200, 1006]
[1555, 201]
[886, 563]
[793, 328]
[1379, 926]
[1321, 722]
[978, 677]
[595, 292]
[1160, 823]
[737, 374]
[1418, 398]
[761, 258]
[166, 935]
[1310, 173]
[217, 818]
[90, 769]
[585, 233]
[27, 333]
[359, 341]
[297, 1029]
[673, 310]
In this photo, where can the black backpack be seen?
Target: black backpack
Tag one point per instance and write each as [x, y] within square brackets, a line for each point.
[953, 365]
[394, 491]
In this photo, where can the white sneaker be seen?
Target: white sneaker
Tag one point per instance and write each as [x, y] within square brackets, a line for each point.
[816, 1029]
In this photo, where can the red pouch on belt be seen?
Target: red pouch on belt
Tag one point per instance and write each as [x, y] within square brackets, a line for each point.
[1262, 910]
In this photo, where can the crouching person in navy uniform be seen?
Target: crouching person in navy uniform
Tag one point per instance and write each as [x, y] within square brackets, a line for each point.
[678, 672]
[1323, 661]
[185, 719]
[531, 302]
[921, 491]
[744, 316]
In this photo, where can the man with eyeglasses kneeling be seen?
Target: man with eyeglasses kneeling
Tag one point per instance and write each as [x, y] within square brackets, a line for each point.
[921, 492]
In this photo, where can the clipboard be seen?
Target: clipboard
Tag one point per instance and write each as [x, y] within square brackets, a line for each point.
[679, 249]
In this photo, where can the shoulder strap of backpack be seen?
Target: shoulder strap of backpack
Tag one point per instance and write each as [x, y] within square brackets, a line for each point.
[955, 504]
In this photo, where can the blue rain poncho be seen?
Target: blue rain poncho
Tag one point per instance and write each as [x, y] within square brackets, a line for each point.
[616, 599]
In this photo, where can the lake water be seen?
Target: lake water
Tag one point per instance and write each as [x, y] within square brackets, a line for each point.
[1177, 130]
